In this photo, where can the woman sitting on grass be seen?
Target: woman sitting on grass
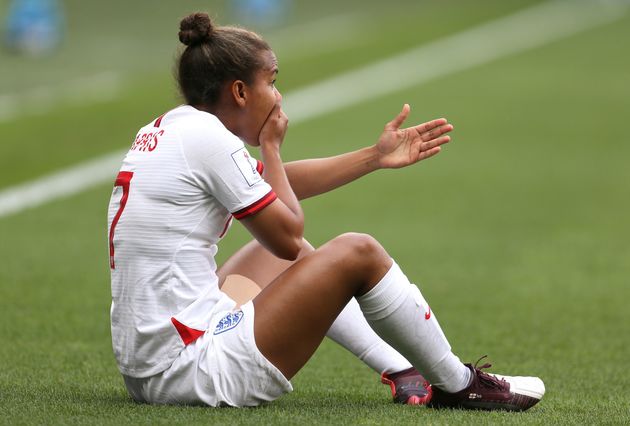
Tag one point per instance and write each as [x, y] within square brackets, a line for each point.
[177, 338]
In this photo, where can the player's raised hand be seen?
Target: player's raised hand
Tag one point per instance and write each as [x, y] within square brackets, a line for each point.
[401, 147]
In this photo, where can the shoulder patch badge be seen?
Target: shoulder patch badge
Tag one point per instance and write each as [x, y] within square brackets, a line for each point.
[228, 322]
[246, 165]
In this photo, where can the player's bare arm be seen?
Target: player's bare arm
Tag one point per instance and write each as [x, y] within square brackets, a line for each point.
[395, 148]
[280, 226]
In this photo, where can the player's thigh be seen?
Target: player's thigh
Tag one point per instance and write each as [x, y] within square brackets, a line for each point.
[296, 310]
[257, 263]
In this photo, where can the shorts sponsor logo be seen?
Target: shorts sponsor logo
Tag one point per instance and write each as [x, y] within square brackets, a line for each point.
[228, 322]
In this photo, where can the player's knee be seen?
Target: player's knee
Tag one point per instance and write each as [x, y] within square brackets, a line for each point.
[361, 248]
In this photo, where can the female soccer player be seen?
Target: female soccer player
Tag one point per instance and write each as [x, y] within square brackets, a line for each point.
[177, 338]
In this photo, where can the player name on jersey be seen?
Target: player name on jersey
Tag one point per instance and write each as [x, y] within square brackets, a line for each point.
[146, 142]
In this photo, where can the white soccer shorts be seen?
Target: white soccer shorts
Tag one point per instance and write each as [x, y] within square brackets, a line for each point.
[223, 367]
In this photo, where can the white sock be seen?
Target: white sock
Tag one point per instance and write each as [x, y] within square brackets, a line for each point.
[399, 314]
[353, 332]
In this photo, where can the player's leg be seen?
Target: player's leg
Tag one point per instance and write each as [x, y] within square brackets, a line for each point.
[300, 305]
[350, 329]
[257, 263]
[311, 293]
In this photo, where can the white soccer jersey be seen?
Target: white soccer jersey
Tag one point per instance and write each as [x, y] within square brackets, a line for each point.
[180, 184]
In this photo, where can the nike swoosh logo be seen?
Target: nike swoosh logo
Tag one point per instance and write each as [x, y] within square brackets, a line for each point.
[427, 315]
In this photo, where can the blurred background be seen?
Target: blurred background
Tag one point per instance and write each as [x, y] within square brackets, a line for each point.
[517, 232]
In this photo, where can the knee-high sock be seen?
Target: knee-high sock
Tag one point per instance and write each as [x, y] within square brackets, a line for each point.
[397, 311]
[353, 332]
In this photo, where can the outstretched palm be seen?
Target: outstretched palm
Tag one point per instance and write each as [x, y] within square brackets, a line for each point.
[401, 147]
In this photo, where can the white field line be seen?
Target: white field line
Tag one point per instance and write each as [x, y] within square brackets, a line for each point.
[64, 183]
[97, 88]
[524, 30]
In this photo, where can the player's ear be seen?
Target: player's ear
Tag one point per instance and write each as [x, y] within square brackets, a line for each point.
[238, 90]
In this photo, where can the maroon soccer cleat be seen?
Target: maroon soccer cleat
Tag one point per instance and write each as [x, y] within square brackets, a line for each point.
[408, 387]
[492, 392]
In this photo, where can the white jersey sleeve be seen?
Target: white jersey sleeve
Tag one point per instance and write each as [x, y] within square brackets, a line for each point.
[223, 167]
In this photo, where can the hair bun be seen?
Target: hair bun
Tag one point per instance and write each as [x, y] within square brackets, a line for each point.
[195, 29]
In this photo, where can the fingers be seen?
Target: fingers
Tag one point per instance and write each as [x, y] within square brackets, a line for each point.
[274, 127]
[430, 153]
[436, 132]
[277, 114]
[276, 110]
[400, 118]
[430, 125]
[424, 147]
[435, 142]
[432, 129]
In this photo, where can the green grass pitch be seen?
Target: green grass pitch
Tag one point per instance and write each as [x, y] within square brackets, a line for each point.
[518, 233]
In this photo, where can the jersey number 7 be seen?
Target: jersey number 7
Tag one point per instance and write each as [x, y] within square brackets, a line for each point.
[123, 179]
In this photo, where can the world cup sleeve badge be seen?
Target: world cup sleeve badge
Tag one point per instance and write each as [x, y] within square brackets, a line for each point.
[228, 322]
[245, 165]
